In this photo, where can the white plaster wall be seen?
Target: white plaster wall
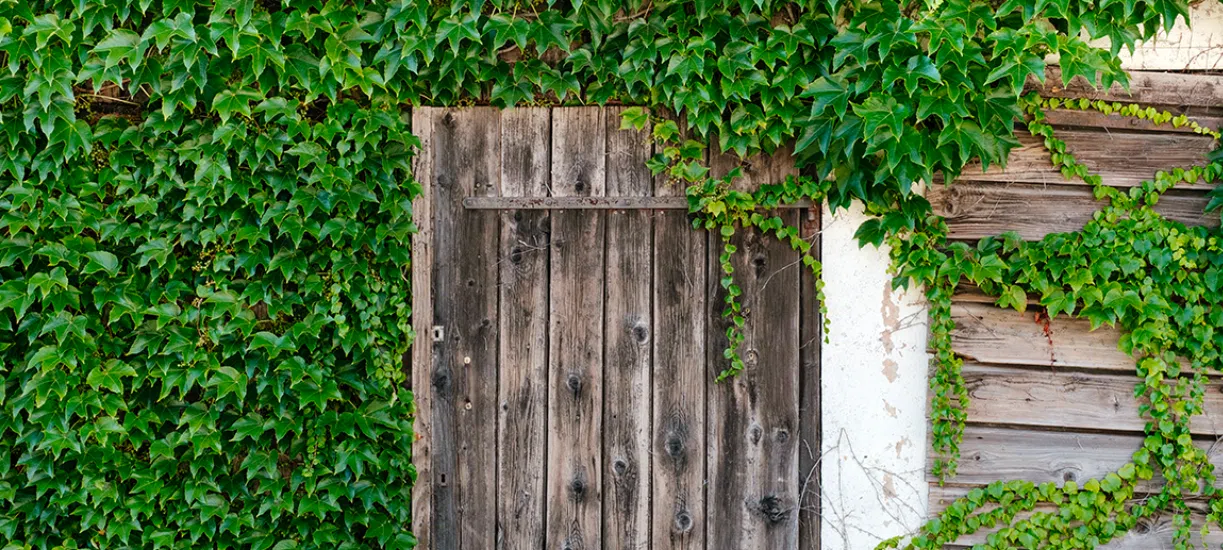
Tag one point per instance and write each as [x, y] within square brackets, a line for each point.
[1196, 48]
[873, 395]
[874, 368]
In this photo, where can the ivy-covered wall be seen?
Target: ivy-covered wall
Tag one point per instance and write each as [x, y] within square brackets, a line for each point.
[203, 300]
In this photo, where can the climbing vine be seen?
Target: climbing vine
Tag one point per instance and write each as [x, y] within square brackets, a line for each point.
[1130, 267]
[205, 211]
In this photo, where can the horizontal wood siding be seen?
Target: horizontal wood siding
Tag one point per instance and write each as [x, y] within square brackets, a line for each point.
[1053, 401]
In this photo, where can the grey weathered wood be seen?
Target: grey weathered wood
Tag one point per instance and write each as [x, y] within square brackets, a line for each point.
[976, 210]
[523, 378]
[990, 454]
[989, 334]
[812, 336]
[421, 367]
[590, 203]
[465, 372]
[1123, 159]
[1094, 119]
[1146, 87]
[680, 378]
[1150, 533]
[629, 327]
[1050, 398]
[1153, 533]
[575, 423]
[753, 429]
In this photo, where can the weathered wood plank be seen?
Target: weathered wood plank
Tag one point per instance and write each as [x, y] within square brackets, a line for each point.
[466, 368]
[592, 203]
[575, 347]
[978, 210]
[812, 335]
[1123, 159]
[1150, 534]
[421, 358]
[1067, 400]
[753, 418]
[523, 379]
[628, 328]
[990, 454]
[989, 334]
[1146, 87]
[680, 271]
[1095, 119]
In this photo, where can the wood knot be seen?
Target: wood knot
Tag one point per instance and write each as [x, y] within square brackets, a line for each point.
[760, 263]
[640, 333]
[781, 435]
[516, 255]
[577, 489]
[683, 521]
[1069, 476]
[579, 186]
[620, 467]
[441, 381]
[674, 446]
[448, 120]
[754, 434]
[772, 510]
[574, 382]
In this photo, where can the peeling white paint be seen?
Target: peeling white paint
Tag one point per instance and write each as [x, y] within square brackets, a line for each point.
[873, 391]
[1184, 48]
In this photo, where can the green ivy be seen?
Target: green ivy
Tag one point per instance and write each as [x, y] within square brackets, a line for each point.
[203, 293]
[1129, 267]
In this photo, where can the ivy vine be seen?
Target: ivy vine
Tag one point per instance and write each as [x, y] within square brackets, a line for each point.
[1130, 267]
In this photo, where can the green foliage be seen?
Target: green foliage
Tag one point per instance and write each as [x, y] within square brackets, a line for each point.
[204, 221]
[1129, 267]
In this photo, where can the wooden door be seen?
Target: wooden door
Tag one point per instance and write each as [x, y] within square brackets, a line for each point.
[570, 336]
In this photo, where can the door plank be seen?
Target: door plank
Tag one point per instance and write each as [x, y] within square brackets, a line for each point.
[812, 336]
[753, 418]
[628, 328]
[679, 384]
[465, 371]
[422, 355]
[678, 444]
[575, 328]
[523, 381]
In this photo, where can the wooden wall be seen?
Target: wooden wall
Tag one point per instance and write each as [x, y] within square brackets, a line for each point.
[1055, 402]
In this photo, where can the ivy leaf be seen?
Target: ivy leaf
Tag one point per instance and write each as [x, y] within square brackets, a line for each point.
[827, 93]
[228, 380]
[121, 45]
[101, 260]
[228, 102]
[634, 118]
[110, 376]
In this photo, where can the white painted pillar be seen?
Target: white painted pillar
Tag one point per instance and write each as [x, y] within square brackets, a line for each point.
[873, 395]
